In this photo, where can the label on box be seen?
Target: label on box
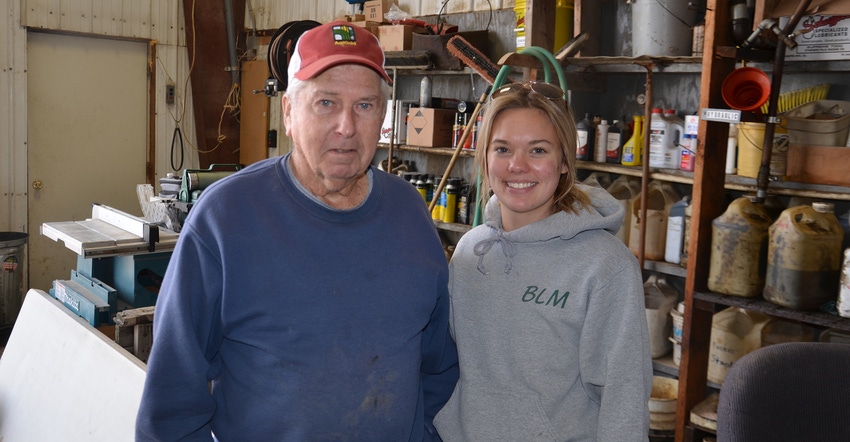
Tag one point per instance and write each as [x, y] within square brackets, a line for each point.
[820, 37]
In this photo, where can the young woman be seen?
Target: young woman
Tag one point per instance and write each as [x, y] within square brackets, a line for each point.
[547, 305]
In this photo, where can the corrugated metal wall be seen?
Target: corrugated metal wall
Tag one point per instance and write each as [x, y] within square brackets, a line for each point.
[158, 20]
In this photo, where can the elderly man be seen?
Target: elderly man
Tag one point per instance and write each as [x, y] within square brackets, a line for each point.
[307, 296]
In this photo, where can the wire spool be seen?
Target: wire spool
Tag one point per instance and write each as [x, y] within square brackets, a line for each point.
[280, 51]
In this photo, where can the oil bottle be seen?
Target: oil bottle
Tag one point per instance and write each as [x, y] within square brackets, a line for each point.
[633, 149]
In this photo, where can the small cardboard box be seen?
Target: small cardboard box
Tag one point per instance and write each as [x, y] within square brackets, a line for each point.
[370, 26]
[395, 37]
[429, 127]
[374, 10]
[818, 165]
[436, 46]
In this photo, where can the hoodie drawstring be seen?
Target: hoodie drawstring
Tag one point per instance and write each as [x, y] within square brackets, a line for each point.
[483, 247]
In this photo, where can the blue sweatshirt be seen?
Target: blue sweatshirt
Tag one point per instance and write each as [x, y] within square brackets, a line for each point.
[282, 319]
[551, 331]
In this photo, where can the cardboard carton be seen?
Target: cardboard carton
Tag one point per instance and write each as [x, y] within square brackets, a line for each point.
[374, 10]
[429, 127]
[395, 37]
[818, 165]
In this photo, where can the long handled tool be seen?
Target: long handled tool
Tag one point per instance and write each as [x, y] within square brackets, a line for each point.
[459, 147]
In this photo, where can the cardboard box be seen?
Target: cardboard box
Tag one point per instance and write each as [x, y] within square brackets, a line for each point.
[374, 10]
[784, 8]
[395, 37]
[436, 46]
[818, 165]
[429, 127]
[402, 108]
[370, 26]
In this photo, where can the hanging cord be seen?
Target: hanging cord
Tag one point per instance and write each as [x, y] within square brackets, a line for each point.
[177, 136]
[440, 14]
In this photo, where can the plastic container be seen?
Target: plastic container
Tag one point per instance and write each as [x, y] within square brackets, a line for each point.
[843, 304]
[777, 331]
[600, 150]
[738, 249]
[660, 299]
[678, 317]
[624, 189]
[586, 137]
[633, 149]
[819, 123]
[675, 231]
[664, 139]
[618, 134]
[804, 257]
[564, 11]
[835, 335]
[659, 200]
[665, 27]
[519, 10]
[750, 145]
[734, 333]
[12, 261]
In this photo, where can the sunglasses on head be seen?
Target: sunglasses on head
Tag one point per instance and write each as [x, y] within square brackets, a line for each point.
[547, 90]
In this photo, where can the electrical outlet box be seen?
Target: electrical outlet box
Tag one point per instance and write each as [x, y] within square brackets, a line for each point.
[169, 94]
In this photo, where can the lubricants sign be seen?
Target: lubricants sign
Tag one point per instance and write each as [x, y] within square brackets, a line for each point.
[820, 37]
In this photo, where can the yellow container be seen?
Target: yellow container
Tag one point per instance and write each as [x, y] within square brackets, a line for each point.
[519, 10]
[804, 257]
[633, 149]
[563, 23]
[738, 247]
[750, 145]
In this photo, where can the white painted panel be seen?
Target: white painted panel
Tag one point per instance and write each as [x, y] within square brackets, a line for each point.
[75, 15]
[43, 14]
[62, 379]
[13, 122]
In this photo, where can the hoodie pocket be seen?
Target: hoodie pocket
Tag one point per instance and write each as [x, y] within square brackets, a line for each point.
[476, 412]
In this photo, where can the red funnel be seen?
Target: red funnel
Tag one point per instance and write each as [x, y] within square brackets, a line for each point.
[746, 89]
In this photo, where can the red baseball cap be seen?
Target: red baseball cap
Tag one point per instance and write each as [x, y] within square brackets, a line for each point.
[332, 44]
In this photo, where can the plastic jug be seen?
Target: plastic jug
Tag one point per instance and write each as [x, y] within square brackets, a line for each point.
[804, 257]
[660, 299]
[664, 140]
[659, 200]
[734, 333]
[739, 249]
[598, 179]
[777, 331]
[624, 189]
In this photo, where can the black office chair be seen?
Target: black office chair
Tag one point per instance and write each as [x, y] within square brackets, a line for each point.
[795, 391]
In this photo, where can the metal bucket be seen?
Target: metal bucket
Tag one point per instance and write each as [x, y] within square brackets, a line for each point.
[11, 270]
[662, 27]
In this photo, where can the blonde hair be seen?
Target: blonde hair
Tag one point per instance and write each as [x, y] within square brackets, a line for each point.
[567, 196]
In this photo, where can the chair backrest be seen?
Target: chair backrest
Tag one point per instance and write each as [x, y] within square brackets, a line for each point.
[796, 391]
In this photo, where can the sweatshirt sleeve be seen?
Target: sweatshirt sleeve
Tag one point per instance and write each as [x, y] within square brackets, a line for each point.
[615, 357]
[176, 401]
[439, 363]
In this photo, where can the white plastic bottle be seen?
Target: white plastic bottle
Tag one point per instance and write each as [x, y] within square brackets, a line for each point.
[675, 232]
[657, 138]
[601, 149]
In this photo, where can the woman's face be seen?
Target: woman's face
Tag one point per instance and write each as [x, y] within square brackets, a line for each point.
[525, 162]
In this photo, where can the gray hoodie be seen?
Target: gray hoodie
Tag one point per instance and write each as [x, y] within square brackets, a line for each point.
[551, 331]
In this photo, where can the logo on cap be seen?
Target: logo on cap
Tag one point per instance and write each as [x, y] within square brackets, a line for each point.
[344, 34]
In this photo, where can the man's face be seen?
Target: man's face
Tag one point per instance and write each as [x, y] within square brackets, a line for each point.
[335, 123]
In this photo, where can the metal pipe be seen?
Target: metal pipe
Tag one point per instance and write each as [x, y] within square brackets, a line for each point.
[231, 40]
[770, 121]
